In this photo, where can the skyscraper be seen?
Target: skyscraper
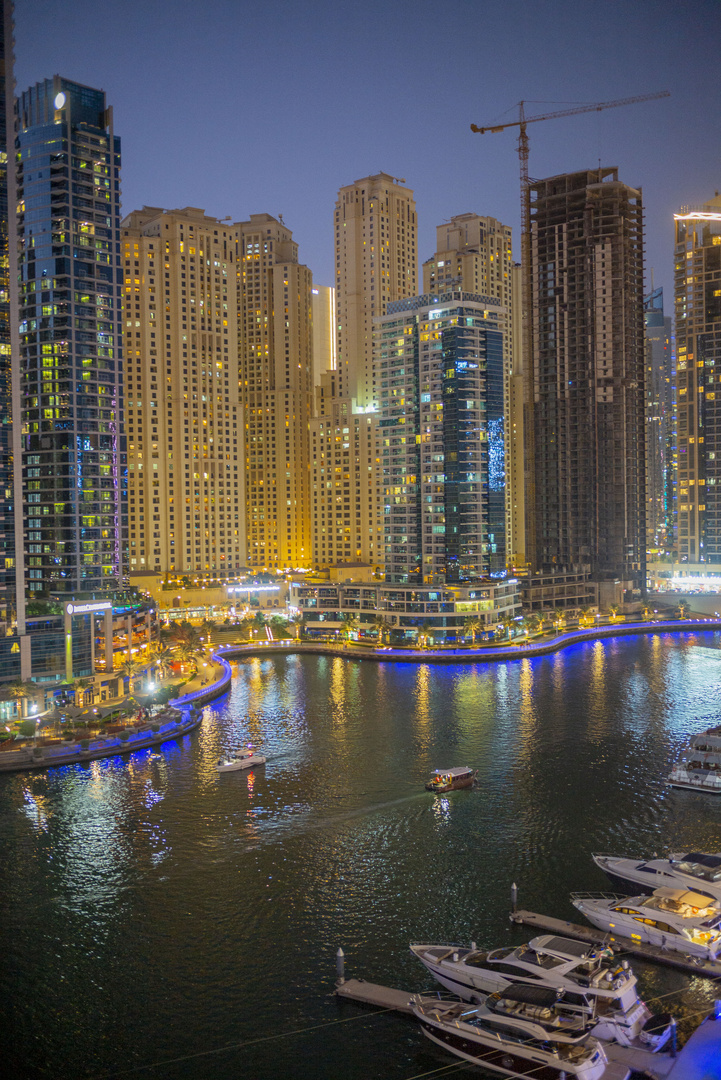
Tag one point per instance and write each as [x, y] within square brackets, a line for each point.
[276, 392]
[474, 254]
[659, 423]
[697, 287]
[186, 468]
[376, 250]
[7, 523]
[70, 407]
[439, 372]
[585, 385]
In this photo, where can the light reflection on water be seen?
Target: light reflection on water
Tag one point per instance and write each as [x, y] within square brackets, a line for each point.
[153, 907]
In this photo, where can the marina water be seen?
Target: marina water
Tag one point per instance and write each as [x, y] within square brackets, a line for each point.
[156, 912]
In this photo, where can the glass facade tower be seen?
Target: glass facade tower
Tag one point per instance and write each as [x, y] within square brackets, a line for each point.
[73, 453]
[439, 371]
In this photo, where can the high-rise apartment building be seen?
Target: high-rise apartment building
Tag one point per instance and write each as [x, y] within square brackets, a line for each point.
[585, 385]
[186, 466]
[7, 512]
[474, 254]
[347, 504]
[439, 372]
[323, 319]
[697, 287]
[70, 400]
[659, 424]
[376, 254]
[276, 392]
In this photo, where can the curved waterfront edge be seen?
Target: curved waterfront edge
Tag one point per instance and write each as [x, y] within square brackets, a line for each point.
[466, 655]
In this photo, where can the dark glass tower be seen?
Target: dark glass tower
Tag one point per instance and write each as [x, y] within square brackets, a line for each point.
[73, 453]
[7, 532]
[585, 384]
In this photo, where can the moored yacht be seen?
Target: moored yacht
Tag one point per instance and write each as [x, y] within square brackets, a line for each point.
[695, 870]
[589, 974]
[240, 759]
[679, 919]
[516, 1049]
[700, 766]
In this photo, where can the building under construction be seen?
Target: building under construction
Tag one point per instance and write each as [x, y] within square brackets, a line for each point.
[584, 393]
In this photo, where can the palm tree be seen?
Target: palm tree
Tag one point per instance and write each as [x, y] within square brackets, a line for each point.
[472, 625]
[350, 624]
[506, 622]
[683, 609]
[207, 628]
[382, 626]
[163, 655]
[425, 634]
[559, 618]
[584, 616]
[20, 691]
[131, 669]
[298, 621]
[187, 654]
[613, 609]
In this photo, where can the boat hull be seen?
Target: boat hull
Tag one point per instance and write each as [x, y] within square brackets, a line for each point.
[696, 782]
[626, 927]
[241, 763]
[504, 1060]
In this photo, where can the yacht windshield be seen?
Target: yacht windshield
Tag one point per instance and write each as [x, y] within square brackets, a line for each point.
[705, 867]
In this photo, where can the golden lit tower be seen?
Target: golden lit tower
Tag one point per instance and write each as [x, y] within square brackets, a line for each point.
[185, 472]
[276, 390]
[376, 249]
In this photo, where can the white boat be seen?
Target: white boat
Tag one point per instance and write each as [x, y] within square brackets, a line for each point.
[679, 919]
[697, 870]
[602, 985]
[243, 758]
[484, 1037]
[700, 766]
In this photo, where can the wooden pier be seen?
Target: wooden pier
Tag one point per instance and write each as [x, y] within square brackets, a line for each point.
[621, 1059]
[710, 969]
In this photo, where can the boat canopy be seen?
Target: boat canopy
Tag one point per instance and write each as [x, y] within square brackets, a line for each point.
[684, 896]
[543, 996]
[572, 949]
[698, 857]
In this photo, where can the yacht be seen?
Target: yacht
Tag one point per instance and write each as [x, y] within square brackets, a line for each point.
[700, 766]
[680, 919]
[588, 974]
[695, 870]
[240, 759]
[516, 1047]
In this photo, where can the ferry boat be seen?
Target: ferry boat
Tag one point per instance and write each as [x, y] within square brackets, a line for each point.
[700, 766]
[677, 919]
[598, 983]
[517, 1048]
[240, 759]
[452, 779]
[698, 870]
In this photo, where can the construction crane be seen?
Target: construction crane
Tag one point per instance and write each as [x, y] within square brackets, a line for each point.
[521, 123]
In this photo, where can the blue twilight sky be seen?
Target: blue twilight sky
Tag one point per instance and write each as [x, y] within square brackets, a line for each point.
[242, 107]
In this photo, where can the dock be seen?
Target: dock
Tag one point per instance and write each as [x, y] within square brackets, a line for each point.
[621, 1059]
[710, 969]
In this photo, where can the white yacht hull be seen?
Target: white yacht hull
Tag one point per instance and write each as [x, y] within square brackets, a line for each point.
[626, 927]
[234, 764]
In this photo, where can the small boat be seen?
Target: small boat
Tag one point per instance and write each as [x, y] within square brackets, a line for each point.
[700, 766]
[452, 779]
[243, 758]
[679, 919]
[599, 984]
[691, 870]
[512, 1048]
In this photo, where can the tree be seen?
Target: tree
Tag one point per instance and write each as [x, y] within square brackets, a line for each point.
[425, 634]
[382, 626]
[472, 625]
[21, 692]
[207, 628]
[350, 624]
[131, 669]
[585, 618]
[187, 654]
[163, 656]
[613, 609]
[683, 609]
[297, 620]
[506, 622]
[559, 618]
[531, 623]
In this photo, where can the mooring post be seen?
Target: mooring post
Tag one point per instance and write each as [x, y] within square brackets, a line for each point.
[340, 966]
[673, 1037]
[514, 898]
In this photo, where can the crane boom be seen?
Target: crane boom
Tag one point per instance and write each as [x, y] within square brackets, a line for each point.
[597, 107]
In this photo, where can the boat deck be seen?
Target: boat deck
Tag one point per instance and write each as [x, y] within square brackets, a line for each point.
[621, 1059]
[711, 969]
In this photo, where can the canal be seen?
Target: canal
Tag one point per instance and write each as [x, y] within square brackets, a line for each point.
[160, 920]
